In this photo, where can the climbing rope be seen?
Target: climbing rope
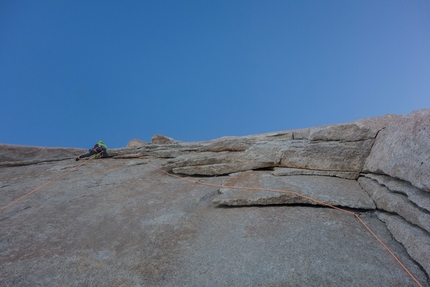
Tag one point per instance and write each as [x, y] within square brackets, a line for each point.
[45, 184]
[356, 215]
[388, 249]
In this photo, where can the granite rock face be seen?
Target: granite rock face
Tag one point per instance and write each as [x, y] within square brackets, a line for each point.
[396, 203]
[283, 171]
[160, 139]
[415, 240]
[13, 155]
[402, 150]
[331, 190]
[134, 143]
[417, 196]
[350, 132]
[343, 147]
[236, 211]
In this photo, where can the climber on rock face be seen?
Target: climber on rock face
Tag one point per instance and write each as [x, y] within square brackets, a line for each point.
[99, 149]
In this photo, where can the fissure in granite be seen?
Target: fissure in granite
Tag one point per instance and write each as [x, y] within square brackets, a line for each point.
[139, 226]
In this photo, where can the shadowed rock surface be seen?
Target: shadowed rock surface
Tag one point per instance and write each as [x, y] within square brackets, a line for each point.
[334, 191]
[120, 222]
[282, 171]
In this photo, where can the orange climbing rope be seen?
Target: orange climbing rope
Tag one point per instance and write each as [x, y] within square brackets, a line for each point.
[43, 185]
[388, 249]
[356, 215]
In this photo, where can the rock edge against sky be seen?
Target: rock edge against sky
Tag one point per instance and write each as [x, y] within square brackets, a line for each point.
[118, 221]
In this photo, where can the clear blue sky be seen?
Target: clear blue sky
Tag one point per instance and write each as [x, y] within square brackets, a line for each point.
[74, 72]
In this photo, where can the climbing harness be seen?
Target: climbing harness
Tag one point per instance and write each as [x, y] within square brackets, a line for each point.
[356, 215]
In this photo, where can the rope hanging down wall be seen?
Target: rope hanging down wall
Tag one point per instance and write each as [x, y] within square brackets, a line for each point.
[356, 215]
[45, 184]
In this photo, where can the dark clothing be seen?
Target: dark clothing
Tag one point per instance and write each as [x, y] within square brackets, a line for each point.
[96, 150]
[99, 149]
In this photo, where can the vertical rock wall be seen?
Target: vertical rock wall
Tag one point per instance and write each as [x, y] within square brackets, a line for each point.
[396, 175]
[380, 165]
[402, 150]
